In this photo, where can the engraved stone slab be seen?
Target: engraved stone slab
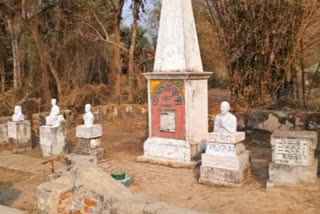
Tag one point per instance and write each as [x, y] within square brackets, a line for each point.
[239, 162]
[215, 137]
[221, 149]
[168, 122]
[89, 132]
[292, 152]
[222, 162]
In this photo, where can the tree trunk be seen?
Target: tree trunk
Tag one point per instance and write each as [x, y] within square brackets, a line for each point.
[134, 29]
[116, 61]
[3, 76]
[45, 57]
[17, 65]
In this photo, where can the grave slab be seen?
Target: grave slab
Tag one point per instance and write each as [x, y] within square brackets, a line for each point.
[293, 160]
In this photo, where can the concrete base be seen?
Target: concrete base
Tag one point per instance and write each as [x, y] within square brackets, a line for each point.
[170, 150]
[52, 140]
[86, 132]
[164, 162]
[301, 177]
[91, 147]
[225, 170]
[224, 177]
[19, 134]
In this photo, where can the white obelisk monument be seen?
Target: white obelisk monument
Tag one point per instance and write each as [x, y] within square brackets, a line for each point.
[177, 89]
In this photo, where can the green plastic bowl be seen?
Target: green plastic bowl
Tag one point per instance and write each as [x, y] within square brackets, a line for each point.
[118, 175]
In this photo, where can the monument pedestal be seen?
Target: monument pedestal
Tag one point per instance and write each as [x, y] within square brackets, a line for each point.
[177, 121]
[293, 160]
[19, 134]
[226, 161]
[52, 140]
[89, 140]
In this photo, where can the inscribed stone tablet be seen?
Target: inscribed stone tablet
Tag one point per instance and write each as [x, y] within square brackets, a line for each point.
[168, 122]
[292, 152]
[221, 149]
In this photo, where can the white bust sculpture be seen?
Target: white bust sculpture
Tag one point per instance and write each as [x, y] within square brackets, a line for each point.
[225, 122]
[17, 116]
[88, 117]
[54, 119]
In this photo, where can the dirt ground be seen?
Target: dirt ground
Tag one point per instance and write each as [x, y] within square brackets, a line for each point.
[123, 142]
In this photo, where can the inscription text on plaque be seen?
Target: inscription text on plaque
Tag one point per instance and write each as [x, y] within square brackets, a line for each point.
[292, 152]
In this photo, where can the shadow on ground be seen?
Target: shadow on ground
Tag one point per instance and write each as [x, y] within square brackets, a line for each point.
[8, 193]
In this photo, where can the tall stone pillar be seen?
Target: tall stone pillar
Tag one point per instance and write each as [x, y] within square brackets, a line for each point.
[177, 91]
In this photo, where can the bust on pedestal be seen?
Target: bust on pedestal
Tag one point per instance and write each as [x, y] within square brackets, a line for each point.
[54, 119]
[19, 132]
[53, 134]
[89, 136]
[226, 161]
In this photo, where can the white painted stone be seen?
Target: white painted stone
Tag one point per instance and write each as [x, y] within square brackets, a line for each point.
[225, 149]
[221, 149]
[52, 140]
[95, 143]
[178, 58]
[178, 46]
[17, 116]
[196, 110]
[12, 130]
[94, 131]
[215, 137]
[171, 149]
[239, 162]
[293, 159]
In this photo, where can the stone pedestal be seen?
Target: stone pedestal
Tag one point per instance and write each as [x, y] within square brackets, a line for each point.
[52, 140]
[226, 161]
[89, 140]
[19, 134]
[293, 160]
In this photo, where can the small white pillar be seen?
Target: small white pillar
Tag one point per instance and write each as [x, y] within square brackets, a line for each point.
[19, 134]
[52, 140]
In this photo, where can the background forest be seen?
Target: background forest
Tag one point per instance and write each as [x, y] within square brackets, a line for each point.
[80, 51]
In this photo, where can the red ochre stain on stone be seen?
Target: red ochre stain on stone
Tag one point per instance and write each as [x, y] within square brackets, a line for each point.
[90, 203]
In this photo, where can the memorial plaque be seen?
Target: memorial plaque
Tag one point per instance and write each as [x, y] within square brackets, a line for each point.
[215, 137]
[168, 109]
[292, 152]
[168, 122]
[221, 149]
